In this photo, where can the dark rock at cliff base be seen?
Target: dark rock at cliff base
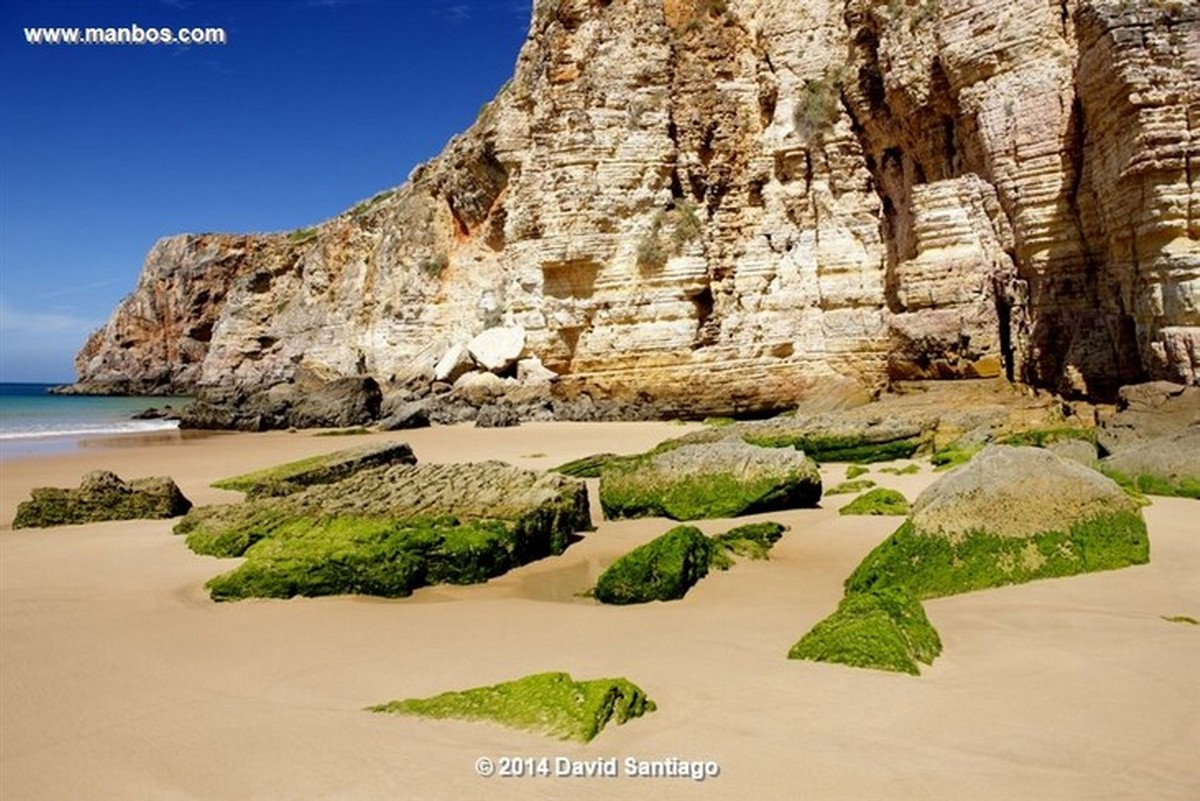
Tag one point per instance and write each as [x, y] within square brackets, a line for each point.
[102, 495]
[403, 416]
[1147, 412]
[339, 403]
[154, 413]
[497, 415]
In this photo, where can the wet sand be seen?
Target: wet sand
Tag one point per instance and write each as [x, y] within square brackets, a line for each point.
[120, 679]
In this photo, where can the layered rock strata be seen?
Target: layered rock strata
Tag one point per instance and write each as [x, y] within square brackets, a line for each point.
[709, 208]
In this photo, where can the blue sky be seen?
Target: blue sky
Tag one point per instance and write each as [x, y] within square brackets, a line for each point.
[311, 106]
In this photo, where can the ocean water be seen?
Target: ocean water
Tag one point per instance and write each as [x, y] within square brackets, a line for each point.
[32, 421]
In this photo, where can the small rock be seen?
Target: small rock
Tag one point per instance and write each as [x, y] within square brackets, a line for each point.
[497, 415]
[102, 495]
[497, 349]
[453, 364]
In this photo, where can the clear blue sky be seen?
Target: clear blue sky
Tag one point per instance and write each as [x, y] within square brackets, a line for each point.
[311, 106]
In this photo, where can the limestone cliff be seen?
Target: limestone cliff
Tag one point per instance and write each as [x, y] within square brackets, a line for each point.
[727, 206]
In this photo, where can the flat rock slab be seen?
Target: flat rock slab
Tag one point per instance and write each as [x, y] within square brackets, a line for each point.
[102, 495]
[325, 469]
[718, 479]
[386, 531]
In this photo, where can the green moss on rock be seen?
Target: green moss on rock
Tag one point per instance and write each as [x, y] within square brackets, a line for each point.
[855, 470]
[326, 468]
[880, 501]
[553, 704]
[663, 569]
[884, 630]
[907, 470]
[839, 448]
[753, 541]
[850, 487]
[586, 467]
[933, 566]
[387, 558]
[386, 531]
[720, 479]
[101, 495]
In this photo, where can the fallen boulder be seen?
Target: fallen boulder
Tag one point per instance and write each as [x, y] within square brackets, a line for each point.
[1010, 515]
[719, 479]
[102, 495]
[497, 349]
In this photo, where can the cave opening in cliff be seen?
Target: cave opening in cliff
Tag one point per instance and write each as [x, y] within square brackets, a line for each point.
[1004, 315]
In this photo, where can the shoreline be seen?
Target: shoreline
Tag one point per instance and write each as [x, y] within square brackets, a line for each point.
[119, 677]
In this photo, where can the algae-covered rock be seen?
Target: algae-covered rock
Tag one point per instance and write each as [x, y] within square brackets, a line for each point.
[553, 704]
[879, 501]
[1168, 465]
[102, 495]
[850, 487]
[885, 630]
[663, 569]
[587, 466]
[324, 469]
[389, 530]
[719, 479]
[1009, 515]
[753, 541]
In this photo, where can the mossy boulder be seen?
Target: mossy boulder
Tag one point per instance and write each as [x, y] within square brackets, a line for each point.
[850, 487]
[663, 569]
[553, 704]
[587, 466]
[386, 531]
[719, 479]
[879, 501]
[1168, 465]
[102, 495]
[1010, 515]
[884, 630]
[327, 468]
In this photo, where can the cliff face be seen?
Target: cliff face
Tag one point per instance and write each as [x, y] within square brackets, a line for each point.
[731, 205]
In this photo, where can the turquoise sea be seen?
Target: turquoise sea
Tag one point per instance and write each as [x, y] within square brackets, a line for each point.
[32, 421]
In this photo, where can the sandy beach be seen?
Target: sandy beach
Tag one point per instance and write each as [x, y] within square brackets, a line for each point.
[119, 678]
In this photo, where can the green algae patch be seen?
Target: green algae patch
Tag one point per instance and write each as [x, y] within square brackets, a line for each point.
[838, 447]
[883, 630]
[327, 468]
[753, 541]
[1145, 484]
[552, 704]
[907, 470]
[855, 470]
[1191, 621]
[954, 454]
[850, 487]
[1041, 437]
[931, 566]
[586, 467]
[707, 480]
[342, 555]
[878, 501]
[663, 569]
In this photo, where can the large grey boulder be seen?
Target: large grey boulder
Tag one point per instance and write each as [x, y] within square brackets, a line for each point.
[1011, 514]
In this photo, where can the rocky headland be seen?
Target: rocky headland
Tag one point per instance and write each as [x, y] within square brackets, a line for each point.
[690, 208]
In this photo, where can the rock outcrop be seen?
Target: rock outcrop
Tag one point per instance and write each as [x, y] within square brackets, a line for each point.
[705, 208]
[102, 495]
[388, 530]
[1010, 515]
[718, 479]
